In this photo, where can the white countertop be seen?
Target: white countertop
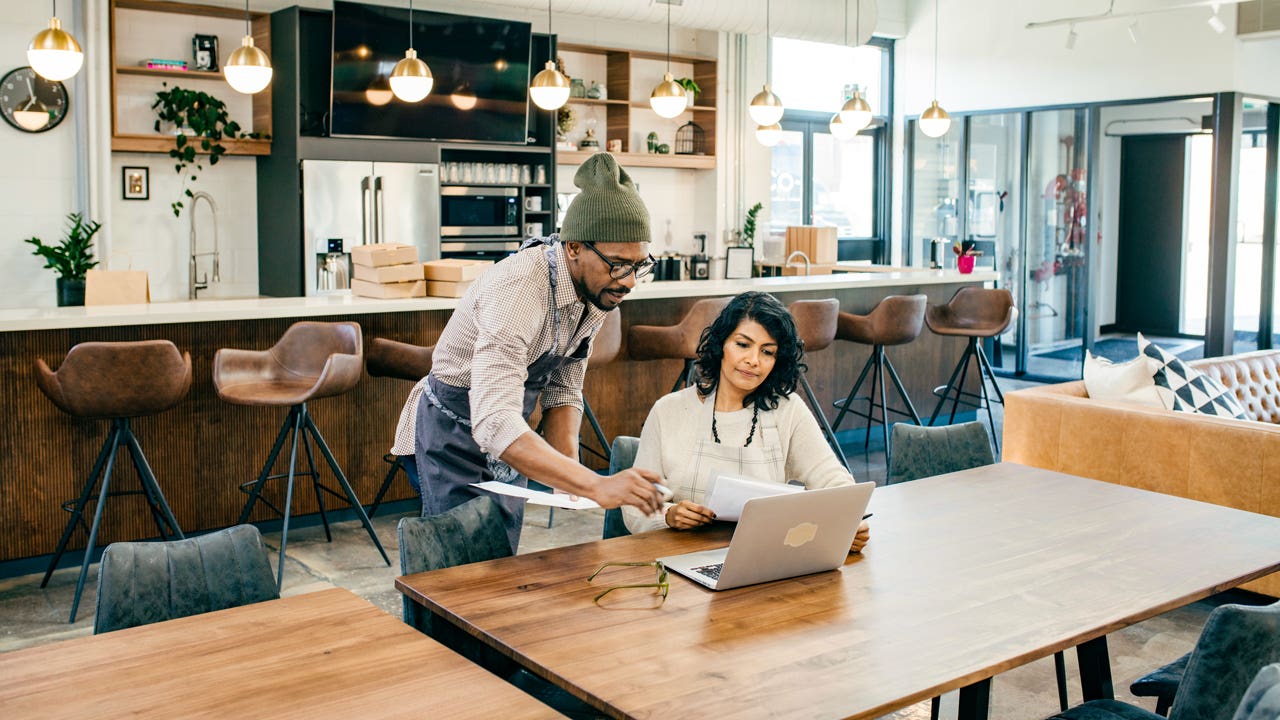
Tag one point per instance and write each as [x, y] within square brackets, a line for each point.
[51, 318]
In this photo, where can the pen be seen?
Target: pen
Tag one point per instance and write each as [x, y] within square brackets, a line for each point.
[663, 489]
[864, 517]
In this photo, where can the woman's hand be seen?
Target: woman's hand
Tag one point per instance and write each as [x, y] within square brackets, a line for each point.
[687, 514]
[862, 538]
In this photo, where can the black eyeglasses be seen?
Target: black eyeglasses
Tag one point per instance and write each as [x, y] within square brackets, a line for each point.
[661, 586]
[620, 270]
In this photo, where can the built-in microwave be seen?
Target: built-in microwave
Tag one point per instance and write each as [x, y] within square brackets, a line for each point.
[479, 211]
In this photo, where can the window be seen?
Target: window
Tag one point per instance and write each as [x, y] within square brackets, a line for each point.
[816, 179]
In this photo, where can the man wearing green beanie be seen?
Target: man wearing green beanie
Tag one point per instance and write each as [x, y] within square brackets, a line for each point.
[521, 334]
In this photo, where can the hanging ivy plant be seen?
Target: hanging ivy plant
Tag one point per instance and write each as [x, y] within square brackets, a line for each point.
[205, 117]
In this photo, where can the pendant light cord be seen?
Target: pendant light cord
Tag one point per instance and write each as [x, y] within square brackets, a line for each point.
[246, 16]
[550, 59]
[935, 50]
[846, 22]
[768, 45]
[410, 23]
[668, 38]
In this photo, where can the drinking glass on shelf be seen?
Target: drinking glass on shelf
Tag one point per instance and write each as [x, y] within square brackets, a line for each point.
[541, 176]
[467, 174]
[526, 175]
[490, 173]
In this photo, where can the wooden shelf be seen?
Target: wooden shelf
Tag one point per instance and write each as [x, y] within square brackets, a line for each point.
[696, 108]
[594, 101]
[156, 72]
[164, 143]
[651, 160]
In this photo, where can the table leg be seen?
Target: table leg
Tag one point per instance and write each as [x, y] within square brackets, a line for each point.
[1095, 669]
[975, 701]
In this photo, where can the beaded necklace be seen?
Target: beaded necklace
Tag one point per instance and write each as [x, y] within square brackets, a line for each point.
[755, 415]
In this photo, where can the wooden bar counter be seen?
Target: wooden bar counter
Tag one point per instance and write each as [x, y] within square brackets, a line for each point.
[204, 448]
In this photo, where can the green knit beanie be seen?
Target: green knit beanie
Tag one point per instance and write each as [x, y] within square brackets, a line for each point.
[608, 210]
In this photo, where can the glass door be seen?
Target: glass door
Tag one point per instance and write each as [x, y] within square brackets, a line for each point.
[1056, 269]
[994, 179]
[935, 197]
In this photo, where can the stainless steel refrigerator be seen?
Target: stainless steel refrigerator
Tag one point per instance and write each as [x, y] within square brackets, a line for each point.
[351, 202]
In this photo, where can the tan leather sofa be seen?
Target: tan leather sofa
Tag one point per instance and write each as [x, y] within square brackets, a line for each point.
[1219, 460]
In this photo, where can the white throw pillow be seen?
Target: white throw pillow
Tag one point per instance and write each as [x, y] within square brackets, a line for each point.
[1128, 382]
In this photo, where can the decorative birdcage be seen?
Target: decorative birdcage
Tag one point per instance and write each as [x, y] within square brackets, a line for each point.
[691, 140]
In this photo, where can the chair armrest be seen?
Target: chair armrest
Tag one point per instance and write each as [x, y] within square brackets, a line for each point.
[341, 372]
[232, 366]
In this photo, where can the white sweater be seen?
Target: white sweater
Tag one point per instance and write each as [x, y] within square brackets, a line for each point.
[676, 425]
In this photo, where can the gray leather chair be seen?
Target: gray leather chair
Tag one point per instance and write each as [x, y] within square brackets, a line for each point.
[621, 457]
[1262, 699]
[1235, 642]
[1162, 684]
[922, 451]
[145, 582]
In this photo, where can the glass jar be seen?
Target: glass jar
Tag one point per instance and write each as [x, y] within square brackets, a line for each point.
[576, 88]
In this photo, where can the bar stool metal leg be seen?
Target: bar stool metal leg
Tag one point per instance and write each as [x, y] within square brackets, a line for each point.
[386, 482]
[150, 486]
[342, 480]
[882, 372]
[822, 420]
[256, 492]
[844, 406]
[77, 512]
[97, 522]
[606, 453]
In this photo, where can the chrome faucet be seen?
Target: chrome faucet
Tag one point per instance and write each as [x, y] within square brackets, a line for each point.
[787, 262]
[192, 284]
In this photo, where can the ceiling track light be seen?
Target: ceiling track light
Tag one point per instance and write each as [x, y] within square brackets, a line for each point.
[248, 70]
[1215, 22]
[411, 79]
[54, 53]
[766, 108]
[550, 88]
[1071, 38]
[1133, 32]
[1215, 19]
[934, 121]
[668, 99]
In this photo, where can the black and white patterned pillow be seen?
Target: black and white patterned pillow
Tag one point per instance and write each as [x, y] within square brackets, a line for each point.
[1192, 390]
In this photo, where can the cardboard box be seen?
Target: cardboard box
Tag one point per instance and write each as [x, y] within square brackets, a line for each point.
[389, 273]
[364, 288]
[451, 270]
[116, 287]
[817, 243]
[797, 268]
[441, 288]
[380, 254]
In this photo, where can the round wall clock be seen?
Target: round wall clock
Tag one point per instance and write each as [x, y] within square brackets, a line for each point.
[31, 103]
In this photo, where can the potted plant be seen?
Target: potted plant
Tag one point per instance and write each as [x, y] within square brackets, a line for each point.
[966, 252]
[749, 225]
[199, 119]
[691, 89]
[70, 258]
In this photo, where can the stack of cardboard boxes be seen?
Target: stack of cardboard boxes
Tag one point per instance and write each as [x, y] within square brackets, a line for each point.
[817, 243]
[452, 278]
[387, 270]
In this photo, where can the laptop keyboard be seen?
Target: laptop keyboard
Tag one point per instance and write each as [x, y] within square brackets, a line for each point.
[711, 571]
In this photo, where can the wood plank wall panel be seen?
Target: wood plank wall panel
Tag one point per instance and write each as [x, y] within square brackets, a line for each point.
[203, 448]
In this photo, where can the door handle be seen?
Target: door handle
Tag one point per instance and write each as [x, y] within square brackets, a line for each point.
[364, 210]
[378, 210]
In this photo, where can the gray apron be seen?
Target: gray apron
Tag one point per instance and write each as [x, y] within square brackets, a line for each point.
[762, 460]
[447, 456]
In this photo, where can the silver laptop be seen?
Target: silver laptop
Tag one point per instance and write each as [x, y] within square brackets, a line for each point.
[782, 536]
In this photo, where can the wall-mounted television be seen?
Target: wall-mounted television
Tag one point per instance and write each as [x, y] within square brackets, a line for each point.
[480, 65]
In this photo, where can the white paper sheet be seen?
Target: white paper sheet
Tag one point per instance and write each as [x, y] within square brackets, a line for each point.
[537, 497]
[727, 494]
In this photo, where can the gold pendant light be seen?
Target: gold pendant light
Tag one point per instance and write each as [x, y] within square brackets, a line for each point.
[53, 53]
[840, 130]
[766, 108]
[668, 99]
[769, 135]
[411, 79]
[248, 70]
[934, 121]
[550, 88]
[856, 113]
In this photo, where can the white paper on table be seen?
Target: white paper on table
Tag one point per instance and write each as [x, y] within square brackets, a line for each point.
[727, 494]
[537, 497]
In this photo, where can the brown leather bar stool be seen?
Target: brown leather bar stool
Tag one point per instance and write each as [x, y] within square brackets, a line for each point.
[604, 350]
[816, 322]
[403, 361]
[678, 342]
[974, 313]
[895, 320]
[311, 360]
[115, 381]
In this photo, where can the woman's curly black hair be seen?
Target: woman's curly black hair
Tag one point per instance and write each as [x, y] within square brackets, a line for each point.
[774, 317]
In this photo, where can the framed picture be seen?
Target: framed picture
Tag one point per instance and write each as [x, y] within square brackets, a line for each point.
[738, 262]
[136, 182]
[204, 51]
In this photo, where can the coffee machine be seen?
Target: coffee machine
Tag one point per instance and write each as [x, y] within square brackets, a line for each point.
[700, 264]
[333, 266]
[668, 267]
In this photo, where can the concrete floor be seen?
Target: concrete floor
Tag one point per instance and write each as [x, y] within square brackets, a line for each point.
[32, 616]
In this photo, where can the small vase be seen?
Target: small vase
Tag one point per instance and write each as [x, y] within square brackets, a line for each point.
[964, 264]
[70, 292]
[689, 99]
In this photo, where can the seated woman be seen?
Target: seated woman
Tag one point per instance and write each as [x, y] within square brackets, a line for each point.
[742, 417]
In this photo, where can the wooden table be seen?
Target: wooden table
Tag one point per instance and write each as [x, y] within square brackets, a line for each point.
[327, 654]
[967, 575]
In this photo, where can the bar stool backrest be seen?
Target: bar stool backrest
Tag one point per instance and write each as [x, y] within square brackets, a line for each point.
[403, 361]
[608, 342]
[648, 342]
[816, 322]
[117, 379]
[305, 347]
[895, 320]
[145, 582]
[981, 312]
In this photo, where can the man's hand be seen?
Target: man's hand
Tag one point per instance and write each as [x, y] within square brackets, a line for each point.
[633, 487]
[862, 538]
[688, 514]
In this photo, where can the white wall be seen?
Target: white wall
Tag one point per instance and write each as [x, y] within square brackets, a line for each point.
[37, 189]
